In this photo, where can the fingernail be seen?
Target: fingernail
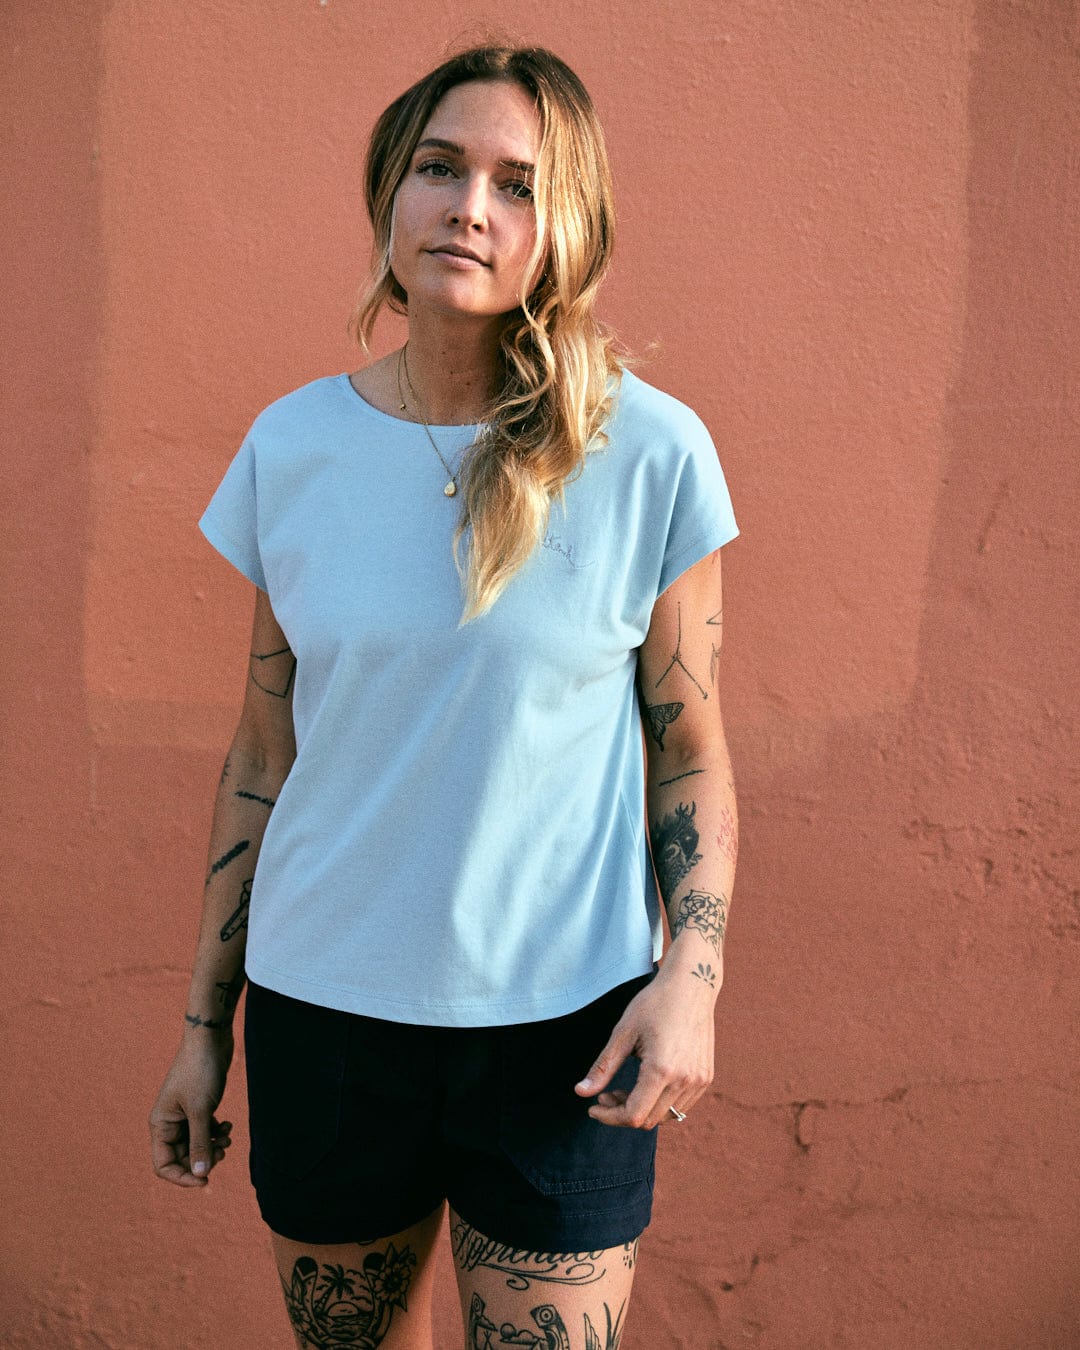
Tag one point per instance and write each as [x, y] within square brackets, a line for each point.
[585, 1083]
[200, 1169]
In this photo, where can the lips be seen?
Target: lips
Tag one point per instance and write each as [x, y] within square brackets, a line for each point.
[457, 251]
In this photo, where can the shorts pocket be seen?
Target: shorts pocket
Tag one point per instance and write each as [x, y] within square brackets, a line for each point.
[295, 1054]
[545, 1128]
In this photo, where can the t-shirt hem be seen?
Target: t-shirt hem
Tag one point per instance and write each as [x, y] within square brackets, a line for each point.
[230, 550]
[699, 547]
[450, 1013]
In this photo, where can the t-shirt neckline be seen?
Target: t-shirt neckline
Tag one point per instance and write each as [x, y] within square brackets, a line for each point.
[461, 428]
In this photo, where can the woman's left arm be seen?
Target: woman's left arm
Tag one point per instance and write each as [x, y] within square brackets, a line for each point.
[693, 830]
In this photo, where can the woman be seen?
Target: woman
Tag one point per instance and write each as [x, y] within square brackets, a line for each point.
[481, 563]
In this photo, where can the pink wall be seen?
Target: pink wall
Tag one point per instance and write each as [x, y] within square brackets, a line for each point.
[851, 229]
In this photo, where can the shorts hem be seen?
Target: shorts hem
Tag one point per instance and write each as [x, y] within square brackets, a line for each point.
[333, 1232]
[592, 1231]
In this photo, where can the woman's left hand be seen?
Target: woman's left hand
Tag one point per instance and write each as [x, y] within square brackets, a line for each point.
[669, 1026]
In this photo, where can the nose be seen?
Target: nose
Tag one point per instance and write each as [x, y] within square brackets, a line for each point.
[469, 205]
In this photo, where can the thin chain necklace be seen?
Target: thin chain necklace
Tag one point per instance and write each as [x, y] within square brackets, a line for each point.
[450, 490]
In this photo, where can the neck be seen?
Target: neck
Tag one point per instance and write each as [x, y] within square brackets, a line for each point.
[452, 371]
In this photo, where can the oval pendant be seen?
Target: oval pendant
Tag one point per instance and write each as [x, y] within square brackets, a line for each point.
[450, 489]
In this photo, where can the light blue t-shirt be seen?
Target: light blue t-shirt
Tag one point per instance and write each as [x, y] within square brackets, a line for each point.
[461, 839]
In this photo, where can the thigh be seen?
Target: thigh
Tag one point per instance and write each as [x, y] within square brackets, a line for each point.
[564, 1300]
[363, 1294]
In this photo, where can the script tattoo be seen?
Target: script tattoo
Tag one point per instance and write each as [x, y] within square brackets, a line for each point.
[252, 797]
[674, 843]
[239, 917]
[273, 671]
[472, 1249]
[705, 913]
[676, 659]
[661, 716]
[348, 1307]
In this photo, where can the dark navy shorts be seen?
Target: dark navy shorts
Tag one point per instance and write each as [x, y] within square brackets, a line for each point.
[361, 1127]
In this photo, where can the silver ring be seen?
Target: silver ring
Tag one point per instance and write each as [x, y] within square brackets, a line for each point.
[679, 1115]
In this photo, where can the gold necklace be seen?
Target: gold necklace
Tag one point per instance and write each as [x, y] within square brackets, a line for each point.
[450, 490]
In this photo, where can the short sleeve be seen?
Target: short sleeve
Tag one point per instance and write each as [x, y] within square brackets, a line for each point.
[702, 517]
[231, 520]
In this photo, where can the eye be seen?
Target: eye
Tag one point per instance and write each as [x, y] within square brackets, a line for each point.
[520, 190]
[434, 168]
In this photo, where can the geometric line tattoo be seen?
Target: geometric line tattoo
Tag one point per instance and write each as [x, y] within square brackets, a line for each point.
[688, 774]
[277, 678]
[676, 659]
[251, 797]
[239, 917]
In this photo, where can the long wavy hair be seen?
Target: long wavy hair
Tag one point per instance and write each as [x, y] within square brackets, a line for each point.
[556, 359]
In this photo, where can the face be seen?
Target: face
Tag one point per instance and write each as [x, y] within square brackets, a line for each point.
[464, 224]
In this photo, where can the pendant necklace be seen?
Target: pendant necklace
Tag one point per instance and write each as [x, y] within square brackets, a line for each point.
[450, 490]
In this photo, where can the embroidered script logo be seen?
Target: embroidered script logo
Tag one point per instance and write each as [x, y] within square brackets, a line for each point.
[553, 542]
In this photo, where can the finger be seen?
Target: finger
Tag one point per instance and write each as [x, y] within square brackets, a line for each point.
[614, 1097]
[636, 1109]
[606, 1064]
[661, 1112]
[179, 1175]
[167, 1138]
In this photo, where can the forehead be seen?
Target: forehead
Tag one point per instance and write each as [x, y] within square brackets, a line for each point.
[488, 118]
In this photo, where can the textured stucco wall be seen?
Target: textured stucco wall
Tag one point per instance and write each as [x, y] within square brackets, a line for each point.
[852, 230]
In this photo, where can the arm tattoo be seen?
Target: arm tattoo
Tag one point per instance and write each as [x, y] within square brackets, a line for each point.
[274, 671]
[211, 1023]
[229, 990]
[705, 913]
[705, 972]
[252, 797]
[660, 717]
[239, 917]
[728, 838]
[674, 844]
[227, 858]
[676, 660]
[688, 774]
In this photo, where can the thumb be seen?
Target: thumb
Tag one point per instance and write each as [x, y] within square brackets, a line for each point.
[199, 1142]
[607, 1063]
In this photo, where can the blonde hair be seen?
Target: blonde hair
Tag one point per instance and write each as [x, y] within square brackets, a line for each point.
[556, 359]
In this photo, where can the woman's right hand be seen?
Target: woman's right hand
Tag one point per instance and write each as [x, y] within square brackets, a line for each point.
[186, 1138]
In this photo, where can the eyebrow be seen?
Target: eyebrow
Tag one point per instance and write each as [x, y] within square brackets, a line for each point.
[452, 148]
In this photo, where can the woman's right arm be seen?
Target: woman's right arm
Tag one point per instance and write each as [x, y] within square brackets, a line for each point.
[185, 1137]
